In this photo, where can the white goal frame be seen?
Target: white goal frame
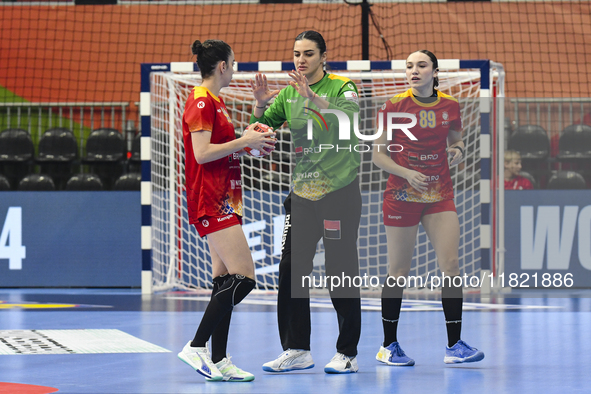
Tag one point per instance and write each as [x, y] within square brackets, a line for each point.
[490, 145]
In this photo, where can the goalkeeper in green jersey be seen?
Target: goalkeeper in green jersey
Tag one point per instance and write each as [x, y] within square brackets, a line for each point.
[321, 110]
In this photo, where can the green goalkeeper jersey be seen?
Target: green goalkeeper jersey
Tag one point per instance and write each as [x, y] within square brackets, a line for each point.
[325, 160]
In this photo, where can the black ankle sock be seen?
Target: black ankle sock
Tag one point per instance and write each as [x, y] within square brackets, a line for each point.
[391, 304]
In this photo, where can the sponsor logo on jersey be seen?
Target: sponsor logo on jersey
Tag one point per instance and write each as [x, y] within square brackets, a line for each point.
[295, 100]
[394, 217]
[235, 183]
[225, 218]
[308, 175]
[201, 104]
[416, 157]
[352, 96]
[384, 106]
[233, 156]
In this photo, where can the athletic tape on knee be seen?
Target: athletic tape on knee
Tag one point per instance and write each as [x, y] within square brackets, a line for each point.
[234, 290]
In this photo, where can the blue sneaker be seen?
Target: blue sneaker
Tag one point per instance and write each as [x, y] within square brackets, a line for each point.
[461, 352]
[394, 355]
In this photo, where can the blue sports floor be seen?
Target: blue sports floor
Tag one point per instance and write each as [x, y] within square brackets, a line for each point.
[533, 342]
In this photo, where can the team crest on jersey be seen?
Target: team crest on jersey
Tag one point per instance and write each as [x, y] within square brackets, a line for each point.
[445, 115]
[201, 104]
[226, 114]
[205, 223]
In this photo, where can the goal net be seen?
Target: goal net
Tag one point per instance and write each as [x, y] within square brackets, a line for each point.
[180, 257]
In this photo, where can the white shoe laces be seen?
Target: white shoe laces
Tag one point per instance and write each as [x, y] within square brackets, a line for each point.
[339, 356]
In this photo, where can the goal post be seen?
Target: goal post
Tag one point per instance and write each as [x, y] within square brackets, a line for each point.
[173, 255]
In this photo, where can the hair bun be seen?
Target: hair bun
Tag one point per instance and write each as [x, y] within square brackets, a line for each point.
[197, 47]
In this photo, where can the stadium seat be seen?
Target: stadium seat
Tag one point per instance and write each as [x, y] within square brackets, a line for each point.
[105, 153]
[36, 182]
[131, 181]
[531, 141]
[4, 184]
[575, 142]
[16, 154]
[135, 160]
[567, 180]
[57, 152]
[84, 182]
[508, 126]
[530, 177]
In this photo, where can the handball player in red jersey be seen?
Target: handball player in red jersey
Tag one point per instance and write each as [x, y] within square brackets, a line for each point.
[420, 190]
[214, 199]
[514, 181]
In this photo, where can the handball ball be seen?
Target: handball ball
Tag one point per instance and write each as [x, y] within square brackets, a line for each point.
[260, 128]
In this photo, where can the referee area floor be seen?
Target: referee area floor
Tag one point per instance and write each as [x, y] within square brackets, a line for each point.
[119, 341]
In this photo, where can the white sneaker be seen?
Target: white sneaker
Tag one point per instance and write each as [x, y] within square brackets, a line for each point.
[290, 360]
[200, 360]
[231, 372]
[342, 364]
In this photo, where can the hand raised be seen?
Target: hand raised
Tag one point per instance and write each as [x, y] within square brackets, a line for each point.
[261, 91]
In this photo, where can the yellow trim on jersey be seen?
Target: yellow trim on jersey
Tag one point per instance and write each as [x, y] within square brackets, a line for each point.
[399, 97]
[201, 91]
[338, 77]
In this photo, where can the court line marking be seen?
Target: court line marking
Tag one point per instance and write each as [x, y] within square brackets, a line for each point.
[374, 304]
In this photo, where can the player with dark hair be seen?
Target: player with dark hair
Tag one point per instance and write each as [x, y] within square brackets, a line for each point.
[420, 190]
[214, 199]
[325, 202]
[514, 181]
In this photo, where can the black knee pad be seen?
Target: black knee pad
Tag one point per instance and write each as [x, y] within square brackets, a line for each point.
[234, 289]
[218, 282]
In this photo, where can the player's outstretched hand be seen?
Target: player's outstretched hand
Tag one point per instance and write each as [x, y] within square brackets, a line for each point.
[261, 91]
[455, 156]
[300, 84]
[417, 180]
[261, 141]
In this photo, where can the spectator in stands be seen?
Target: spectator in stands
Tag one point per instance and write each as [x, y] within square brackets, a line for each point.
[514, 181]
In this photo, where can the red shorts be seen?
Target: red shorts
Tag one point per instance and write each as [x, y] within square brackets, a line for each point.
[406, 214]
[210, 224]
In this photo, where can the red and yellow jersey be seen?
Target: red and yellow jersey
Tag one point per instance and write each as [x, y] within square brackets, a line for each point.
[214, 188]
[518, 183]
[427, 154]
